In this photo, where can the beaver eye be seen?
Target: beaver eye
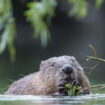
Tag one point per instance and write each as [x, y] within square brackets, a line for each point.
[52, 65]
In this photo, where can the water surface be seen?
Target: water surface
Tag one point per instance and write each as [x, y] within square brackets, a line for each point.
[92, 99]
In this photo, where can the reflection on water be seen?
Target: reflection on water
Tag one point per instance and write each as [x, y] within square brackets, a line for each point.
[92, 99]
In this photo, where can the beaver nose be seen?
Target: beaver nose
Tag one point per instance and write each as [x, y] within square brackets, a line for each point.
[67, 69]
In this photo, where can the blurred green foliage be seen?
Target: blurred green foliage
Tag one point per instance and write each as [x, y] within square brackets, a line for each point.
[79, 8]
[39, 14]
[99, 3]
[7, 28]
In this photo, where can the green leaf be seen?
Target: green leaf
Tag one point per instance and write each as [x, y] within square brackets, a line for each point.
[3, 41]
[78, 90]
[78, 9]
[11, 39]
[72, 91]
[99, 3]
[68, 86]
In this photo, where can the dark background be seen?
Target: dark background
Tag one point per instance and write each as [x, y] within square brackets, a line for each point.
[68, 37]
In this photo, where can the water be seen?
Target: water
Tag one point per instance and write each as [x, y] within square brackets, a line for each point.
[92, 99]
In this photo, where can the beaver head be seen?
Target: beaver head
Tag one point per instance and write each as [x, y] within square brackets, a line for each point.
[61, 68]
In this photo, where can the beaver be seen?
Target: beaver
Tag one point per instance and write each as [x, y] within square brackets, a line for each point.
[54, 73]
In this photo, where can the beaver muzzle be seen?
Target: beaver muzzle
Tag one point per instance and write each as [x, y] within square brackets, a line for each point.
[67, 69]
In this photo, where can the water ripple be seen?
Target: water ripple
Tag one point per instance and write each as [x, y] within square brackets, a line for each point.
[51, 98]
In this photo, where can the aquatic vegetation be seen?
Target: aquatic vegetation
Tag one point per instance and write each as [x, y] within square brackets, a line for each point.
[77, 90]
[72, 90]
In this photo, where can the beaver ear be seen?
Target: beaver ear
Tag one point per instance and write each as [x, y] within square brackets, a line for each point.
[73, 58]
[78, 66]
[42, 64]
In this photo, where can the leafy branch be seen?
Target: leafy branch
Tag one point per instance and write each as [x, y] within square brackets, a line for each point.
[7, 28]
[39, 14]
[73, 90]
[77, 90]
[79, 8]
[98, 3]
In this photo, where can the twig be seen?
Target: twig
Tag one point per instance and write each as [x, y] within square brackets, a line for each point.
[93, 67]
[99, 87]
[75, 90]
[94, 50]
[95, 57]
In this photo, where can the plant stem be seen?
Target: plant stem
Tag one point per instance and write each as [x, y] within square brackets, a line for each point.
[95, 58]
[95, 86]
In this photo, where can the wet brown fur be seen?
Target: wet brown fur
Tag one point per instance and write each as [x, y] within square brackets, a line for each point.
[44, 82]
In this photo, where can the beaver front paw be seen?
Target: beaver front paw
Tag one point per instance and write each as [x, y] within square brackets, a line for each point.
[61, 87]
[75, 83]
